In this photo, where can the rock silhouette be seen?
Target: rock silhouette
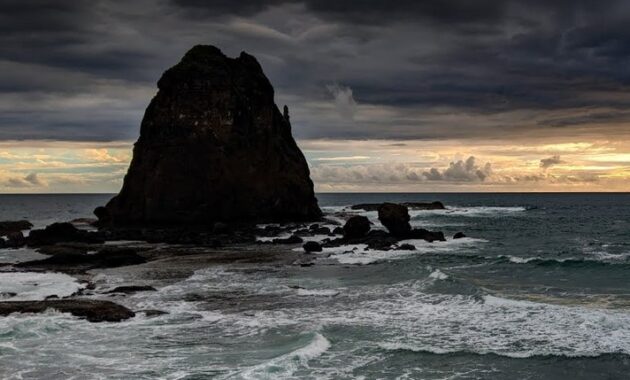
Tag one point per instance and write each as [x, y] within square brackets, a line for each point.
[395, 218]
[214, 147]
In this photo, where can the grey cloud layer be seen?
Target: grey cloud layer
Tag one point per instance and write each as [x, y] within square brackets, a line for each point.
[362, 69]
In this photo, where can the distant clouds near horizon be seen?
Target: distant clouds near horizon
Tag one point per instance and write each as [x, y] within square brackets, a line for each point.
[421, 96]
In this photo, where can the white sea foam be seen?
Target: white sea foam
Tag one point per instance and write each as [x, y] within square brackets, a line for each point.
[438, 275]
[520, 260]
[285, 365]
[30, 286]
[442, 323]
[468, 211]
[357, 255]
[317, 292]
[505, 327]
[601, 254]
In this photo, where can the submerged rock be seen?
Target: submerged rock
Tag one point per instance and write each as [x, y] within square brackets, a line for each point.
[395, 218]
[430, 236]
[92, 310]
[459, 235]
[356, 227]
[214, 147]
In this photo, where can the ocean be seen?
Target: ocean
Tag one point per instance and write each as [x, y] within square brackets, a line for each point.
[539, 289]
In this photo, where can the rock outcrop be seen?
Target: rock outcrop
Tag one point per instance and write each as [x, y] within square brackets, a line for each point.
[61, 232]
[312, 246]
[92, 310]
[8, 227]
[395, 218]
[214, 147]
[356, 227]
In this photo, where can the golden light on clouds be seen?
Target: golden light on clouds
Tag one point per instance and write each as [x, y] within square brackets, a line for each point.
[354, 165]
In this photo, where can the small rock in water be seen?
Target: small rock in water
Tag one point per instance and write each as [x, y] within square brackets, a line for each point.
[356, 226]
[131, 289]
[459, 235]
[312, 246]
[430, 236]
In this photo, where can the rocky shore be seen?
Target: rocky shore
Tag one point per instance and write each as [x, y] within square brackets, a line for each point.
[83, 253]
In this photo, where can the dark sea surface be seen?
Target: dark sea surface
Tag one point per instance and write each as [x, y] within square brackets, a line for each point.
[540, 289]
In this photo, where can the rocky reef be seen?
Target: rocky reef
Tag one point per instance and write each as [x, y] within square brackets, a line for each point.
[92, 310]
[214, 147]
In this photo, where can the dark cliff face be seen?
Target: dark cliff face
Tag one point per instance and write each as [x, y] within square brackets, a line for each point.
[214, 146]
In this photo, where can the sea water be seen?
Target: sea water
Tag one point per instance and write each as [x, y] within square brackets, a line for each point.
[539, 289]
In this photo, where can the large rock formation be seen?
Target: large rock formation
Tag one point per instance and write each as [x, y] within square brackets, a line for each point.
[213, 147]
[395, 218]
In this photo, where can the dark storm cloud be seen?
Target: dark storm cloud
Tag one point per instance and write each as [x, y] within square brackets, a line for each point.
[419, 62]
[367, 12]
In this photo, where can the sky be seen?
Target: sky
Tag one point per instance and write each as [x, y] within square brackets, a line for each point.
[408, 96]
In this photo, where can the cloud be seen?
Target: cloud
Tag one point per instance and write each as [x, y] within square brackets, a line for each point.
[460, 171]
[343, 158]
[344, 101]
[436, 69]
[104, 155]
[30, 180]
[546, 163]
